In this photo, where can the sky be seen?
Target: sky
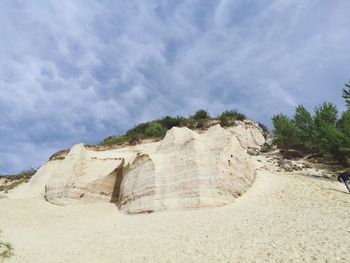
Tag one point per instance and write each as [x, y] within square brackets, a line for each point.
[77, 71]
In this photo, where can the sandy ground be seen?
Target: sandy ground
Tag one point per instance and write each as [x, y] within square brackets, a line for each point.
[282, 218]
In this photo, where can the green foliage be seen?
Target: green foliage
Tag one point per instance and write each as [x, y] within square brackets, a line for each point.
[344, 126]
[155, 129]
[169, 122]
[326, 114]
[285, 134]
[344, 123]
[228, 118]
[346, 94]
[28, 172]
[264, 128]
[201, 114]
[226, 121]
[331, 142]
[14, 180]
[325, 119]
[138, 131]
[305, 128]
[15, 183]
[202, 124]
[141, 131]
[158, 128]
[115, 140]
[321, 133]
[189, 123]
[234, 114]
[6, 250]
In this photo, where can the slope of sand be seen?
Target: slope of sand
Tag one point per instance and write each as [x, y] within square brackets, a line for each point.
[282, 218]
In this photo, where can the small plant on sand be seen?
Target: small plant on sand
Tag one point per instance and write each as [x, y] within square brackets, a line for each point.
[6, 250]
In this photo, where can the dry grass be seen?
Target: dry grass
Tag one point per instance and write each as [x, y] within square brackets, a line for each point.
[10, 186]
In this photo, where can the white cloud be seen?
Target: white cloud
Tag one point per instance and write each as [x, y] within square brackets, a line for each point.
[76, 71]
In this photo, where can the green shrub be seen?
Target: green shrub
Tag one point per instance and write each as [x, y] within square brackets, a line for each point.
[344, 126]
[200, 115]
[155, 129]
[264, 128]
[232, 114]
[226, 121]
[202, 124]
[189, 123]
[28, 172]
[169, 122]
[115, 140]
[228, 118]
[6, 250]
[138, 131]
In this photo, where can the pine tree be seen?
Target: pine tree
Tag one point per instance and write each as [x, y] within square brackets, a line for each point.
[285, 134]
[305, 129]
[346, 94]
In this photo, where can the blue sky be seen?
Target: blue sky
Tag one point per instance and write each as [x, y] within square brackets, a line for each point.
[78, 71]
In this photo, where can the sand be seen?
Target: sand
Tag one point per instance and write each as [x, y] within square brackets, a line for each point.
[282, 218]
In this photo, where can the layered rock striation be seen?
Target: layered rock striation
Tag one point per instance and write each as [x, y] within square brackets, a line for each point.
[183, 171]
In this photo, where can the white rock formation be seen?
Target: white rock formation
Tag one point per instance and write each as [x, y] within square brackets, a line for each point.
[184, 170]
[187, 170]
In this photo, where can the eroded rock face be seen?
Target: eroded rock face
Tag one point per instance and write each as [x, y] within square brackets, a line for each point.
[249, 134]
[187, 170]
[83, 176]
[184, 170]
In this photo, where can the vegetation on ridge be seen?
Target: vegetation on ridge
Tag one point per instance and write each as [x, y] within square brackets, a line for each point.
[11, 181]
[325, 133]
[157, 129]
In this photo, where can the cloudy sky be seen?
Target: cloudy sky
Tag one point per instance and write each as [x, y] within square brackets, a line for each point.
[78, 71]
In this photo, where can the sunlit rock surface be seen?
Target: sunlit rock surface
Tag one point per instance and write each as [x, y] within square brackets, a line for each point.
[185, 170]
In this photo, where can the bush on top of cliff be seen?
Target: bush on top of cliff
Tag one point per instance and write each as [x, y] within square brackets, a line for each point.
[201, 115]
[234, 114]
[27, 173]
[158, 128]
[228, 118]
[155, 129]
[110, 140]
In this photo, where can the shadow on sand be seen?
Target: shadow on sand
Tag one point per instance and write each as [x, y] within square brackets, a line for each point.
[336, 190]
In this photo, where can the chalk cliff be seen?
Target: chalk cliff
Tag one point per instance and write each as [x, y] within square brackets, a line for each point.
[184, 170]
